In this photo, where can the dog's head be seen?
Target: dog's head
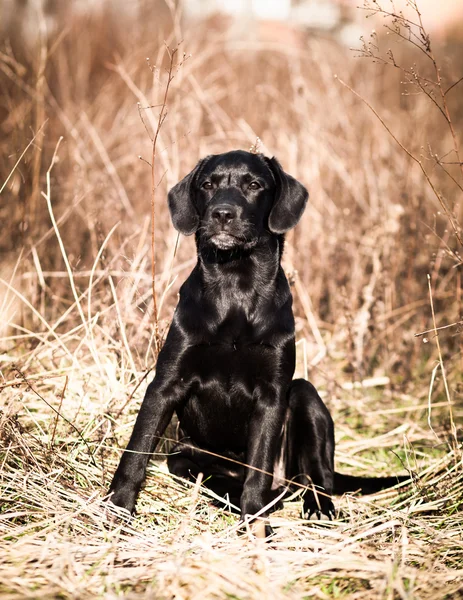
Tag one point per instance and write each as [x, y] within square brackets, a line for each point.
[231, 199]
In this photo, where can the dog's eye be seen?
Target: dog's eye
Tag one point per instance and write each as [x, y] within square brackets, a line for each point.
[254, 185]
[207, 185]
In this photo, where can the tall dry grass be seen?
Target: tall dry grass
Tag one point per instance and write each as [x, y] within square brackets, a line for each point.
[77, 312]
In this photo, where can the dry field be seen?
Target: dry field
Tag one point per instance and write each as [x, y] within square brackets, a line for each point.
[375, 260]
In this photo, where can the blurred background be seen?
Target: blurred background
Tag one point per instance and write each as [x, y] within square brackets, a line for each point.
[246, 74]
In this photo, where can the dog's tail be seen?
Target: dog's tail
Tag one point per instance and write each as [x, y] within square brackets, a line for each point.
[365, 485]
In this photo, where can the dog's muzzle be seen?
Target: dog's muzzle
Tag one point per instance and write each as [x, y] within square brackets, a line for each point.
[223, 225]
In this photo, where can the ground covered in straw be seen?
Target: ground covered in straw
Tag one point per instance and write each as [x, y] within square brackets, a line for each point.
[60, 432]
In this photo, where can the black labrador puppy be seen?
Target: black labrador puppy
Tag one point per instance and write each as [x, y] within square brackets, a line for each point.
[227, 365]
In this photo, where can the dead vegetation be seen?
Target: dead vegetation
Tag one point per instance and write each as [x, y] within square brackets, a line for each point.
[78, 342]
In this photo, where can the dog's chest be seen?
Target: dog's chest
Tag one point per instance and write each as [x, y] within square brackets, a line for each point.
[222, 387]
[232, 361]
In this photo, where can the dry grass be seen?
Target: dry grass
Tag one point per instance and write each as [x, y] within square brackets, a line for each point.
[77, 345]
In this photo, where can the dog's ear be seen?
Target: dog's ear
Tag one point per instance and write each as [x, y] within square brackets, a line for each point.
[180, 199]
[290, 199]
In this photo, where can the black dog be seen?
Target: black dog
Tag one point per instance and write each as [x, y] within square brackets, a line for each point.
[227, 364]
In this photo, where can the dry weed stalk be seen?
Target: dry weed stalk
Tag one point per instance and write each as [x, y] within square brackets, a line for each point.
[412, 31]
[171, 71]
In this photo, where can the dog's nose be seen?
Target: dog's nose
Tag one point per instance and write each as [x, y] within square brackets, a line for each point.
[224, 213]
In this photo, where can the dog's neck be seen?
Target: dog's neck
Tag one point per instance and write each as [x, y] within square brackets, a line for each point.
[261, 260]
[233, 288]
[240, 284]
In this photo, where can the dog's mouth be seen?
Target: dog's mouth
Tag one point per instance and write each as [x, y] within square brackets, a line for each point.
[224, 240]
[240, 236]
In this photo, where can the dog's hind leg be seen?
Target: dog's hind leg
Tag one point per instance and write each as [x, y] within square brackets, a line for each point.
[182, 466]
[224, 479]
[310, 445]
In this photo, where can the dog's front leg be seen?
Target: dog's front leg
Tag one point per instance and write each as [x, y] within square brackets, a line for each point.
[156, 411]
[263, 441]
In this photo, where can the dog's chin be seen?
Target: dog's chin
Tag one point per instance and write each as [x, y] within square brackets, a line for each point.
[225, 241]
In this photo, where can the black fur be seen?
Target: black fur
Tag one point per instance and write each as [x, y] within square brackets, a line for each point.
[227, 365]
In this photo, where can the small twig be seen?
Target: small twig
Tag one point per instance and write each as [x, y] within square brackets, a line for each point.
[140, 114]
[452, 86]
[438, 328]
[431, 385]
[38, 378]
[59, 410]
[21, 156]
[441, 362]
[441, 165]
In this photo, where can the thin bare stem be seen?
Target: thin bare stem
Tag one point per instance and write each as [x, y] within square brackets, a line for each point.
[21, 156]
[453, 85]
[161, 119]
[441, 363]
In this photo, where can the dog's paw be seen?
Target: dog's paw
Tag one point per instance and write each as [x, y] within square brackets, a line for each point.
[114, 513]
[321, 510]
[121, 502]
[318, 516]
